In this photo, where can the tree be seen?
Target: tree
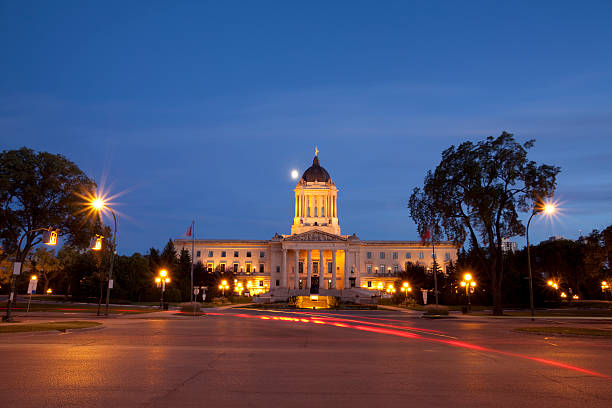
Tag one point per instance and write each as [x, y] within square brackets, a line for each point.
[39, 190]
[476, 192]
[47, 264]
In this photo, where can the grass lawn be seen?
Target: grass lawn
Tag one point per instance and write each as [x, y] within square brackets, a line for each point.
[76, 308]
[558, 313]
[576, 331]
[51, 326]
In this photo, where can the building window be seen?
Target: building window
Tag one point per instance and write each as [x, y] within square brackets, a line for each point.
[382, 255]
[261, 283]
[315, 211]
[223, 254]
[236, 270]
[248, 254]
[262, 254]
[209, 267]
[222, 266]
[277, 282]
[261, 268]
[277, 270]
[352, 270]
[198, 254]
[210, 254]
[395, 255]
[369, 269]
[322, 211]
[301, 267]
[447, 256]
[235, 254]
[248, 268]
[420, 255]
[369, 284]
[369, 255]
[315, 267]
[395, 268]
[329, 268]
[329, 284]
[408, 256]
[382, 269]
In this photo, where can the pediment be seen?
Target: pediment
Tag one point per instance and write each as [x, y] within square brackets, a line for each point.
[315, 235]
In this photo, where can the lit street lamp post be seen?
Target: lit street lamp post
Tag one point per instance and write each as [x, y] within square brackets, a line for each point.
[223, 286]
[49, 238]
[547, 209]
[406, 288]
[161, 280]
[469, 286]
[98, 204]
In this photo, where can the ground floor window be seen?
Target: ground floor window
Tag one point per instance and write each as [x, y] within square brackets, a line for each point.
[369, 284]
[261, 268]
[301, 267]
[277, 282]
[352, 282]
[222, 266]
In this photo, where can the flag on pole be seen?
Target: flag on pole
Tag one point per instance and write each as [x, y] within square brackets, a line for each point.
[425, 236]
[190, 230]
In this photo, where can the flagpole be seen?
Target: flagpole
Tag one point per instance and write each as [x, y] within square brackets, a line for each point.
[434, 266]
[192, 255]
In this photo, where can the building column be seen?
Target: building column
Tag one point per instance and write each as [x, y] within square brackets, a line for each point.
[309, 268]
[333, 269]
[357, 270]
[335, 206]
[284, 270]
[297, 269]
[347, 271]
[322, 268]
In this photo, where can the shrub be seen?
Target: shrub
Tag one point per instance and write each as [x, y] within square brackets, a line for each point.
[436, 310]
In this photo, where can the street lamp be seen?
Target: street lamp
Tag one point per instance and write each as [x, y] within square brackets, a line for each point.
[49, 238]
[469, 284]
[98, 204]
[161, 280]
[223, 286]
[406, 288]
[605, 286]
[548, 209]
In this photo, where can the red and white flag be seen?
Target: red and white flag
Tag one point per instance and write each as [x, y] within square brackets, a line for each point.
[190, 230]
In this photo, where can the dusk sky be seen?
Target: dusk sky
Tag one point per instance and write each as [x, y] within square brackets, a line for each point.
[200, 111]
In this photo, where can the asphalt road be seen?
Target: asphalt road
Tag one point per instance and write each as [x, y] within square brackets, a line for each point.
[242, 358]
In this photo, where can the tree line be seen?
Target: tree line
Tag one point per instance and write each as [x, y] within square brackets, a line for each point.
[577, 267]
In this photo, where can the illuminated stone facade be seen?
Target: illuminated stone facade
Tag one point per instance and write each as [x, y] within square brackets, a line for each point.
[315, 257]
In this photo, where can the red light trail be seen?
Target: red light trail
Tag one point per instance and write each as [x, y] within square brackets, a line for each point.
[383, 329]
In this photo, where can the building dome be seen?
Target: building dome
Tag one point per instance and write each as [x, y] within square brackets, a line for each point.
[316, 173]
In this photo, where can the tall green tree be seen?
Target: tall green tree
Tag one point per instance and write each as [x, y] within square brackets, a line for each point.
[39, 190]
[477, 191]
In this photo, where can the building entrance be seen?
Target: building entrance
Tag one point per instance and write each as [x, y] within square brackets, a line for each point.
[314, 284]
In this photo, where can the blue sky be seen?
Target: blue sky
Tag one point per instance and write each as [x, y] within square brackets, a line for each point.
[200, 110]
